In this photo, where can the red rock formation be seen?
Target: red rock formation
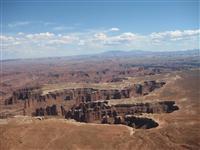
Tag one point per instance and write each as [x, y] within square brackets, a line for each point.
[34, 102]
[101, 112]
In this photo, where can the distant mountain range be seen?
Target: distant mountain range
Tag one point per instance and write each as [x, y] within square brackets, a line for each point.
[124, 54]
[140, 53]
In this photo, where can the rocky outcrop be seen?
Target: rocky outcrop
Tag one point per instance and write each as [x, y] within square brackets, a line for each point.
[156, 107]
[91, 105]
[88, 111]
[32, 98]
[24, 94]
[139, 122]
[101, 112]
[138, 88]
[49, 110]
[114, 79]
[84, 94]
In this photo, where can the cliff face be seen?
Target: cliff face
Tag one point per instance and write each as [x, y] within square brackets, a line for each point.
[54, 103]
[101, 112]
[91, 105]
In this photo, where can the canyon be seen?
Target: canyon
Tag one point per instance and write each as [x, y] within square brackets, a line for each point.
[91, 105]
[100, 103]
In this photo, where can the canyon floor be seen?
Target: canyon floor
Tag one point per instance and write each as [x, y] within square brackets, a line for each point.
[176, 131]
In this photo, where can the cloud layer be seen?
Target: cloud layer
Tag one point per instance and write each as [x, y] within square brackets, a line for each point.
[49, 43]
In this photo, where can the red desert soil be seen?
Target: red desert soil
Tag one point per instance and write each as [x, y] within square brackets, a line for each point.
[177, 130]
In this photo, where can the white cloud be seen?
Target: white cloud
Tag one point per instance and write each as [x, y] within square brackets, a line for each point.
[36, 41]
[47, 23]
[6, 38]
[122, 38]
[128, 36]
[100, 36]
[81, 42]
[45, 42]
[114, 29]
[40, 36]
[61, 28]
[18, 24]
[63, 40]
[175, 35]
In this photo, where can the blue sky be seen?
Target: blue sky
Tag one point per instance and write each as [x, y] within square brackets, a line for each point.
[62, 28]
